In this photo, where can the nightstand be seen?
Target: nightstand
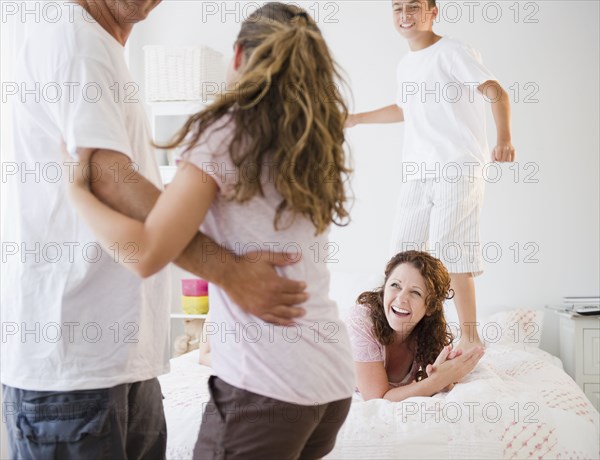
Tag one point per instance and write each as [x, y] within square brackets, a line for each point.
[580, 351]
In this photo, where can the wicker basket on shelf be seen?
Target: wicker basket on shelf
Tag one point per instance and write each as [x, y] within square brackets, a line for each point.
[186, 73]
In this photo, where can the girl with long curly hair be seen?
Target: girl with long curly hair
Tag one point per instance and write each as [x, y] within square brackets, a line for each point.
[400, 339]
[263, 170]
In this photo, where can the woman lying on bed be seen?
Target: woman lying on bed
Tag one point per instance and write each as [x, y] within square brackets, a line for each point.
[399, 336]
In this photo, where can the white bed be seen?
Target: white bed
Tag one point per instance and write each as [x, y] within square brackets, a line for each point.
[517, 404]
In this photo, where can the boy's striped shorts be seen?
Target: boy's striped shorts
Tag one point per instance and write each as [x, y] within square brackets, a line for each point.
[441, 216]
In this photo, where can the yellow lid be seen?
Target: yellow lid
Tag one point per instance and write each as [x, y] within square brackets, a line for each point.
[194, 305]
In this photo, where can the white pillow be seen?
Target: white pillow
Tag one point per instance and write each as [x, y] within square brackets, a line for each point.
[520, 328]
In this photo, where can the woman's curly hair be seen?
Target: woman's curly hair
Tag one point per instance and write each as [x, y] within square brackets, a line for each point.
[431, 334]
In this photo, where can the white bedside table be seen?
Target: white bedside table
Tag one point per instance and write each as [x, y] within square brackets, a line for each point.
[580, 351]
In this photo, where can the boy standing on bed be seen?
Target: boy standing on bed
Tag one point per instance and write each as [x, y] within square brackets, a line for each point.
[442, 90]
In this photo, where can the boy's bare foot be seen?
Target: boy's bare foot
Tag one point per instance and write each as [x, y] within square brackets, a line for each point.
[467, 343]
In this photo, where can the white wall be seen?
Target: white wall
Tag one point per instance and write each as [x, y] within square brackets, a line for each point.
[558, 216]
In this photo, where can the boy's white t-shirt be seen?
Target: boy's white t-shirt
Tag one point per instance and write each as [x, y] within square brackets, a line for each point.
[444, 113]
[72, 317]
[306, 364]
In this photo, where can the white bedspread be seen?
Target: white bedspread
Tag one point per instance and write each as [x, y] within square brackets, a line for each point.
[517, 404]
[185, 390]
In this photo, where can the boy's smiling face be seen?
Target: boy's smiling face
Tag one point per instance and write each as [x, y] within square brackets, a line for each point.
[412, 17]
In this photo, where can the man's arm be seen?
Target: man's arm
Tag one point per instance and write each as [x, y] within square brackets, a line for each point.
[253, 285]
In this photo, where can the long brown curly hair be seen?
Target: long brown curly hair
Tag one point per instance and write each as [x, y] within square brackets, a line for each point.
[288, 112]
[431, 334]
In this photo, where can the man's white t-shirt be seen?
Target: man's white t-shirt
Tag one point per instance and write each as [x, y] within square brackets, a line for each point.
[72, 317]
[444, 113]
[307, 363]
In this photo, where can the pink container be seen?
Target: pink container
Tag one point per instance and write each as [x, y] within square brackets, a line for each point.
[194, 287]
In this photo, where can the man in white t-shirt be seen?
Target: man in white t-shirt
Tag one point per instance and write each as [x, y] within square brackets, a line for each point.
[442, 87]
[83, 339]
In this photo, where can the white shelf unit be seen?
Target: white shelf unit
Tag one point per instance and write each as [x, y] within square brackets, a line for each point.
[167, 118]
[176, 108]
[186, 316]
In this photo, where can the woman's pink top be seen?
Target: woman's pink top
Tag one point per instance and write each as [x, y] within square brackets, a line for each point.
[365, 346]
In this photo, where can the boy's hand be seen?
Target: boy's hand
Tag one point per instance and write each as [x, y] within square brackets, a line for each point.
[351, 121]
[504, 152]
